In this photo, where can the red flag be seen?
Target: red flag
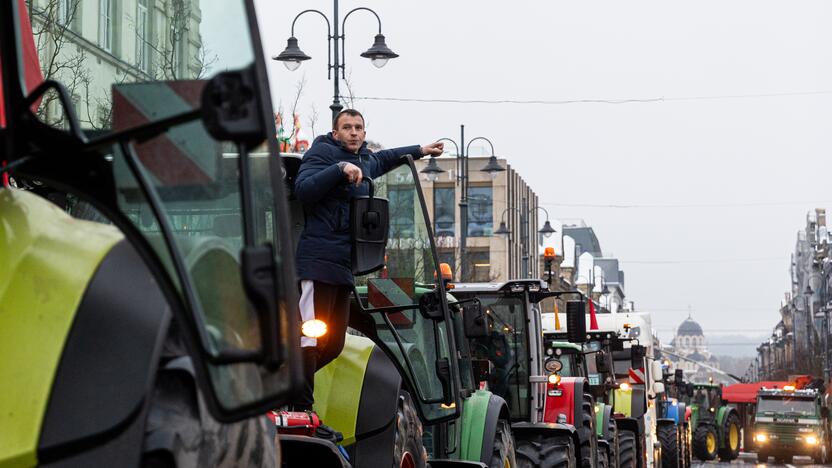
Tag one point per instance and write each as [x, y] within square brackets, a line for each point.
[593, 322]
[31, 66]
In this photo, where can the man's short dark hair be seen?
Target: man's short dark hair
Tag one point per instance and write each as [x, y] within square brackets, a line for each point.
[350, 112]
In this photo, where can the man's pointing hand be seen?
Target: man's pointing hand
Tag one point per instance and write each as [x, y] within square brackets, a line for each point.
[433, 149]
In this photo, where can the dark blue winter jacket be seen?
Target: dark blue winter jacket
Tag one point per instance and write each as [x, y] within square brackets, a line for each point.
[324, 250]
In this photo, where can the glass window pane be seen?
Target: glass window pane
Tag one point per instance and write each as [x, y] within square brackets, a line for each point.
[480, 209]
[507, 350]
[409, 273]
[444, 211]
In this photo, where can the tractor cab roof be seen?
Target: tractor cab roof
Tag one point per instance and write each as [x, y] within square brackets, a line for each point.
[788, 393]
[511, 286]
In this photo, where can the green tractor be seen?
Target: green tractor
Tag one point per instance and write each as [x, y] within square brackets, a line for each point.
[715, 425]
[402, 393]
[552, 413]
[159, 330]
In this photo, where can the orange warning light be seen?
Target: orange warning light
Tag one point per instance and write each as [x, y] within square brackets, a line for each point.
[549, 253]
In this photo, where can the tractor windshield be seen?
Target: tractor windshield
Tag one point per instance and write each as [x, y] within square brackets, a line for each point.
[787, 406]
[420, 344]
[172, 181]
[507, 349]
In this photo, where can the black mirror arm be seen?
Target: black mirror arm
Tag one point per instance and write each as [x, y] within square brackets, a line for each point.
[540, 295]
[465, 301]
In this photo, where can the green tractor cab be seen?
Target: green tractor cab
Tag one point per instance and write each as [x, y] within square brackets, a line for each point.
[716, 426]
[553, 414]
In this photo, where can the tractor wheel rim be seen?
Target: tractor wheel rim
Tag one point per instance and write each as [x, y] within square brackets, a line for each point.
[506, 463]
[711, 443]
[734, 437]
[407, 461]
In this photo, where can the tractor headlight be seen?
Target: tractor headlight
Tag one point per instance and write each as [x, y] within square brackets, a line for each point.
[760, 437]
[313, 328]
[811, 440]
[554, 379]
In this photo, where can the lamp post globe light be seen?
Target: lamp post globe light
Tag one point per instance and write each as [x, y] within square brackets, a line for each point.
[432, 171]
[292, 56]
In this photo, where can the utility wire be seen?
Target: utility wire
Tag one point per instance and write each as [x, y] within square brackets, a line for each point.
[587, 101]
[716, 260]
[686, 205]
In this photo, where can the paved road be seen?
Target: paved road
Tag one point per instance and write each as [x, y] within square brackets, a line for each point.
[750, 459]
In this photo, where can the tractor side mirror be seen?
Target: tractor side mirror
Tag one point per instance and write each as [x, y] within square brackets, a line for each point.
[679, 377]
[637, 353]
[369, 227]
[601, 363]
[656, 369]
[475, 320]
[689, 389]
[658, 388]
[576, 321]
[482, 369]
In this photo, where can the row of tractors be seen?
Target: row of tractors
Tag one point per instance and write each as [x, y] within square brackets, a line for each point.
[150, 306]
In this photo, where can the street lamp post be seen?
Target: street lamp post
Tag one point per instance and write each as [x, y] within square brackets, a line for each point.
[547, 230]
[378, 53]
[432, 171]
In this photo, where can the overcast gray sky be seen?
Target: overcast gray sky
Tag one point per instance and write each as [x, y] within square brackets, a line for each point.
[768, 152]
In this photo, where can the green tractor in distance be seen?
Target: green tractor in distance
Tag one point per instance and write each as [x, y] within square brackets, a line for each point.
[553, 417]
[716, 426]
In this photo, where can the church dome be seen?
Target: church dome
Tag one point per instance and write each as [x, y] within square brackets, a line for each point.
[689, 328]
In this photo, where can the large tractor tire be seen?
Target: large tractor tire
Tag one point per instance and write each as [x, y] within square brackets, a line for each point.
[627, 453]
[705, 442]
[181, 432]
[669, 440]
[603, 457]
[587, 434]
[730, 449]
[408, 450]
[613, 442]
[541, 451]
[503, 454]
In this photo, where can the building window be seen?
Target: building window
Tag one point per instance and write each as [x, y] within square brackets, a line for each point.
[401, 212]
[105, 24]
[480, 212]
[479, 270]
[444, 212]
[64, 12]
[142, 35]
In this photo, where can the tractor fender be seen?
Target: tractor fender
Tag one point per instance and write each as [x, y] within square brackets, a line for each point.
[310, 451]
[603, 418]
[671, 412]
[482, 413]
[358, 395]
[522, 430]
[119, 352]
[630, 424]
[684, 413]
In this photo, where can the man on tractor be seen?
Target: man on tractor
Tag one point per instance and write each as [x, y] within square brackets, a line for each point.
[331, 173]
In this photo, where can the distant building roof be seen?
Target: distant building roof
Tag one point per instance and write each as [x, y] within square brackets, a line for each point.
[612, 274]
[584, 236]
[689, 328]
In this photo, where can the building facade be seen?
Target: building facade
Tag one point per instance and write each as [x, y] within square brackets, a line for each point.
[504, 198]
[688, 349]
[89, 45]
[799, 343]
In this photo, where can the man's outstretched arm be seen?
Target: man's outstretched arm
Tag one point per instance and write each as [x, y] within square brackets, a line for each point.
[389, 159]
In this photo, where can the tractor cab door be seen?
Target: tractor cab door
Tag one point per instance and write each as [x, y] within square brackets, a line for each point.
[403, 305]
[137, 125]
